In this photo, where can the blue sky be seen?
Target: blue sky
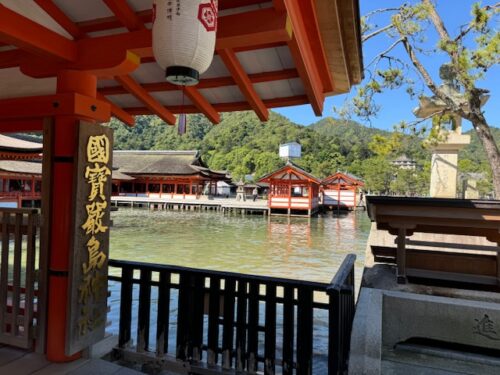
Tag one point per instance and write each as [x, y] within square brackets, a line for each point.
[396, 105]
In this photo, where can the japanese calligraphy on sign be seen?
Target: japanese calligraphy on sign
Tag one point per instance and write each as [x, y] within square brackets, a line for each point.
[88, 277]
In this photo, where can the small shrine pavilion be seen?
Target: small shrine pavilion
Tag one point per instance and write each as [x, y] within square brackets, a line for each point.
[341, 190]
[172, 174]
[292, 191]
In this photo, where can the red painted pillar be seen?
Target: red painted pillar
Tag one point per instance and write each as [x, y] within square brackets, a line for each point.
[64, 149]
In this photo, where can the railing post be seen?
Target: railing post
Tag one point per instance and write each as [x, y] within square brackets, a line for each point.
[144, 311]
[270, 330]
[124, 334]
[304, 331]
[341, 314]
[163, 317]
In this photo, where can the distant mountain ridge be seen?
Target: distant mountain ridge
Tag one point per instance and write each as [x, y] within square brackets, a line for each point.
[244, 145]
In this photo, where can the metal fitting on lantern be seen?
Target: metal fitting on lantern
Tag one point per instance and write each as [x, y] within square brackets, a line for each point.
[182, 75]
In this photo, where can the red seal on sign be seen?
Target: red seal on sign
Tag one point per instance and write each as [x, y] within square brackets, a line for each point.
[207, 14]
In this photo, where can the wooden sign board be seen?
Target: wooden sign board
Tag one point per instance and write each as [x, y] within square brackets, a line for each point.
[88, 284]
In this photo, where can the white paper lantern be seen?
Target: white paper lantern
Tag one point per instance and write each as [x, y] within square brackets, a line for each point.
[184, 38]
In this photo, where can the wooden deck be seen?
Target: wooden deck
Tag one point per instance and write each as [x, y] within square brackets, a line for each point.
[20, 362]
[225, 205]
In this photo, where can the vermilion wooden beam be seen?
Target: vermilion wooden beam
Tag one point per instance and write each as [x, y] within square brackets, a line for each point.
[242, 30]
[253, 28]
[116, 111]
[13, 58]
[60, 17]
[125, 14]
[279, 5]
[227, 107]
[202, 104]
[156, 107]
[107, 23]
[241, 78]
[101, 55]
[55, 105]
[208, 83]
[25, 125]
[30, 36]
[310, 18]
[316, 80]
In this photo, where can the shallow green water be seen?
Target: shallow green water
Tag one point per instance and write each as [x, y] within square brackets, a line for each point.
[297, 248]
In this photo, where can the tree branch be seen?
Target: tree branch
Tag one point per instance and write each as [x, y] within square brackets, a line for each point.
[469, 27]
[383, 53]
[364, 38]
[381, 10]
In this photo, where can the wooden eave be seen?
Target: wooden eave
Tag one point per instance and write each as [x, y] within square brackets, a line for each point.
[296, 40]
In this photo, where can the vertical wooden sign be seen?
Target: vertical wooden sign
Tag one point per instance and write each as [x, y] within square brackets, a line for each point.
[88, 284]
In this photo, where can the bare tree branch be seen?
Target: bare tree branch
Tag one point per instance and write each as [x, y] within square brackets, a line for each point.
[384, 53]
[364, 38]
[381, 10]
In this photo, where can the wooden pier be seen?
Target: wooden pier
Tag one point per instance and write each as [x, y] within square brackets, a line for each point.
[229, 206]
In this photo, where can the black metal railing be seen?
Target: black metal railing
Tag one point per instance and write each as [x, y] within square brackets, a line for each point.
[226, 320]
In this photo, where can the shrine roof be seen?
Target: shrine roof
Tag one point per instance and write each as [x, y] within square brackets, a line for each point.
[21, 167]
[291, 172]
[343, 178]
[163, 163]
[12, 144]
[268, 54]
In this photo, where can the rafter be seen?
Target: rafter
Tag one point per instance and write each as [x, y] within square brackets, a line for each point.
[242, 30]
[303, 57]
[245, 85]
[116, 111]
[253, 28]
[30, 36]
[208, 83]
[125, 14]
[156, 107]
[227, 107]
[202, 104]
[61, 18]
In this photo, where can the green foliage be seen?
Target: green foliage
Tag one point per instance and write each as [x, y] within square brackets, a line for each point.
[243, 145]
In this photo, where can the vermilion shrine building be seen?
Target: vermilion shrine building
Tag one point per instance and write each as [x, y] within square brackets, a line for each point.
[167, 174]
[292, 191]
[341, 190]
[66, 66]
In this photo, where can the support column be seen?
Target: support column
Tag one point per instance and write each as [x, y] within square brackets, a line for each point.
[64, 145]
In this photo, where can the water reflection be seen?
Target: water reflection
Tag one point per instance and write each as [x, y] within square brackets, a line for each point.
[299, 248]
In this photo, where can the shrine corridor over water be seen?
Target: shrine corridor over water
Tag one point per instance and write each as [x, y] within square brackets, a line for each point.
[296, 248]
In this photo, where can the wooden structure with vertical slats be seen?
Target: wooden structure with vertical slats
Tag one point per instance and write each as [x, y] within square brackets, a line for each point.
[223, 321]
[22, 283]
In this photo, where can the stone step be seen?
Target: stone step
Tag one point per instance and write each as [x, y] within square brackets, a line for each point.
[411, 359]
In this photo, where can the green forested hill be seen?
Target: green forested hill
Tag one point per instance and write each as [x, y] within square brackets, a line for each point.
[243, 145]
